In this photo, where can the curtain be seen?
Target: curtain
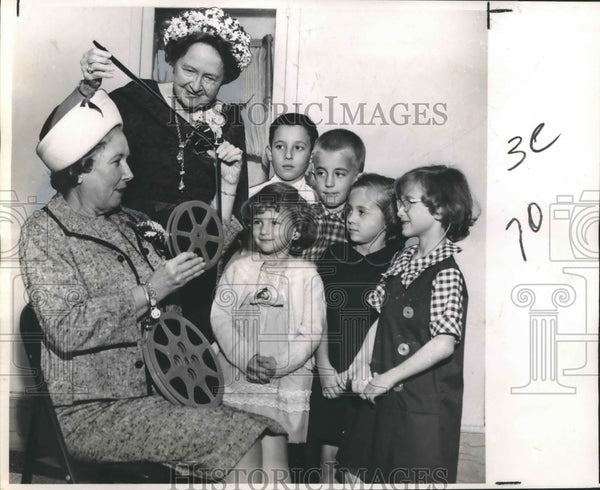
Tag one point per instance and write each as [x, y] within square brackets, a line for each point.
[256, 91]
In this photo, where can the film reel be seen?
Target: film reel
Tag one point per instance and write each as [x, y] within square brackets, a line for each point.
[194, 226]
[182, 363]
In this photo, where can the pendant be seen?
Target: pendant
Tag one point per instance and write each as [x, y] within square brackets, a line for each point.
[181, 185]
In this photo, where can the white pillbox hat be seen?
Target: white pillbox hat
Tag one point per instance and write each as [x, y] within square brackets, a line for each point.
[78, 131]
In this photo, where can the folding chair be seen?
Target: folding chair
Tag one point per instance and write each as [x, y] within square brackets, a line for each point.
[74, 471]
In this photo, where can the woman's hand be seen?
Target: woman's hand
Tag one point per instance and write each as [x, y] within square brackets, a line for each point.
[175, 273]
[230, 176]
[227, 153]
[231, 164]
[96, 64]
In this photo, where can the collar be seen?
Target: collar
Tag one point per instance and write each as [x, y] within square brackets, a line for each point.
[305, 191]
[403, 261]
[296, 185]
[441, 252]
[87, 225]
[346, 254]
[337, 215]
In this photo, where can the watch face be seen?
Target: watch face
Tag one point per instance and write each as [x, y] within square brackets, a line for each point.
[155, 313]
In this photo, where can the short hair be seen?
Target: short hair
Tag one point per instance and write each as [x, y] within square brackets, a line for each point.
[177, 48]
[343, 139]
[385, 199]
[67, 178]
[445, 191]
[280, 196]
[295, 119]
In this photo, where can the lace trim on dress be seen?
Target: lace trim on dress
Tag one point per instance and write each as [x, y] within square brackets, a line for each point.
[268, 396]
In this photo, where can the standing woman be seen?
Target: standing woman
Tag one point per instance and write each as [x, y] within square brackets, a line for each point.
[206, 49]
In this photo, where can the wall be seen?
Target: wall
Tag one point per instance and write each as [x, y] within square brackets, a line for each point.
[370, 57]
[49, 42]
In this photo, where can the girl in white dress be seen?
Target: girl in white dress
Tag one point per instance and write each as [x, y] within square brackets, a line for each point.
[268, 314]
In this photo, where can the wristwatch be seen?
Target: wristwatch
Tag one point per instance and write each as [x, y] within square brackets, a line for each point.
[154, 309]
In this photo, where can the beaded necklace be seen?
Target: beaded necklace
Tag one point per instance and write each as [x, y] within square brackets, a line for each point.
[212, 117]
[180, 152]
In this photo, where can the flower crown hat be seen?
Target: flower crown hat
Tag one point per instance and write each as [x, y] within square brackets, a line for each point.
[215, 22]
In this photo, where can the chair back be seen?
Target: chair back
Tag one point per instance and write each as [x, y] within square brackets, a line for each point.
[75, 471]
[32, 338]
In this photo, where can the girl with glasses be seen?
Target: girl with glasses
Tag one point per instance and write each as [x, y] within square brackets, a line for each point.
[409, 371]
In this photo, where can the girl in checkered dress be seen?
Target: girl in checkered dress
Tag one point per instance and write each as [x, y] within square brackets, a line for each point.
[408, 428]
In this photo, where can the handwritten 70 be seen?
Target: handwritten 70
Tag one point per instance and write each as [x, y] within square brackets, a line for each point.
[534, 212]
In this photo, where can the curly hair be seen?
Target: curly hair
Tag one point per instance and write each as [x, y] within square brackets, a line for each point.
[445, 192]
[278, 197]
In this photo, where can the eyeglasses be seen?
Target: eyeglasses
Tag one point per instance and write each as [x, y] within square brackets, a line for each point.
[406, 203]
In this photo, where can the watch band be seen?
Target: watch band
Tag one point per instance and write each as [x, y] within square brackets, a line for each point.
[154, 309]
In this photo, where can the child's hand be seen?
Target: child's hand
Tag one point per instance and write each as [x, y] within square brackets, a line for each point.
[344, 381]
[359, 385]
[378, 385]
[355, 378]
[260, 369]
[330, 384]
[348, 380]
[269, 364]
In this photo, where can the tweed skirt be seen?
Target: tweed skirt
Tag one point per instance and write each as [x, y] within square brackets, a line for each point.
[151, 429]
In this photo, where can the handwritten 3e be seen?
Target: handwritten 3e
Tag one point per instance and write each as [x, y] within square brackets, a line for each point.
[534, 212]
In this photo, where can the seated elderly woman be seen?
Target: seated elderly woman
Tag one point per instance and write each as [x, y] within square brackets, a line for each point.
[93, 279]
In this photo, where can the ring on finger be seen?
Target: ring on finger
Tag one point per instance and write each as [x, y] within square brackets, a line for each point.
[90, 70]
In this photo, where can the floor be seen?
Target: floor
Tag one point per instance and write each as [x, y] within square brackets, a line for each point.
[471, 459]
[471, 464]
